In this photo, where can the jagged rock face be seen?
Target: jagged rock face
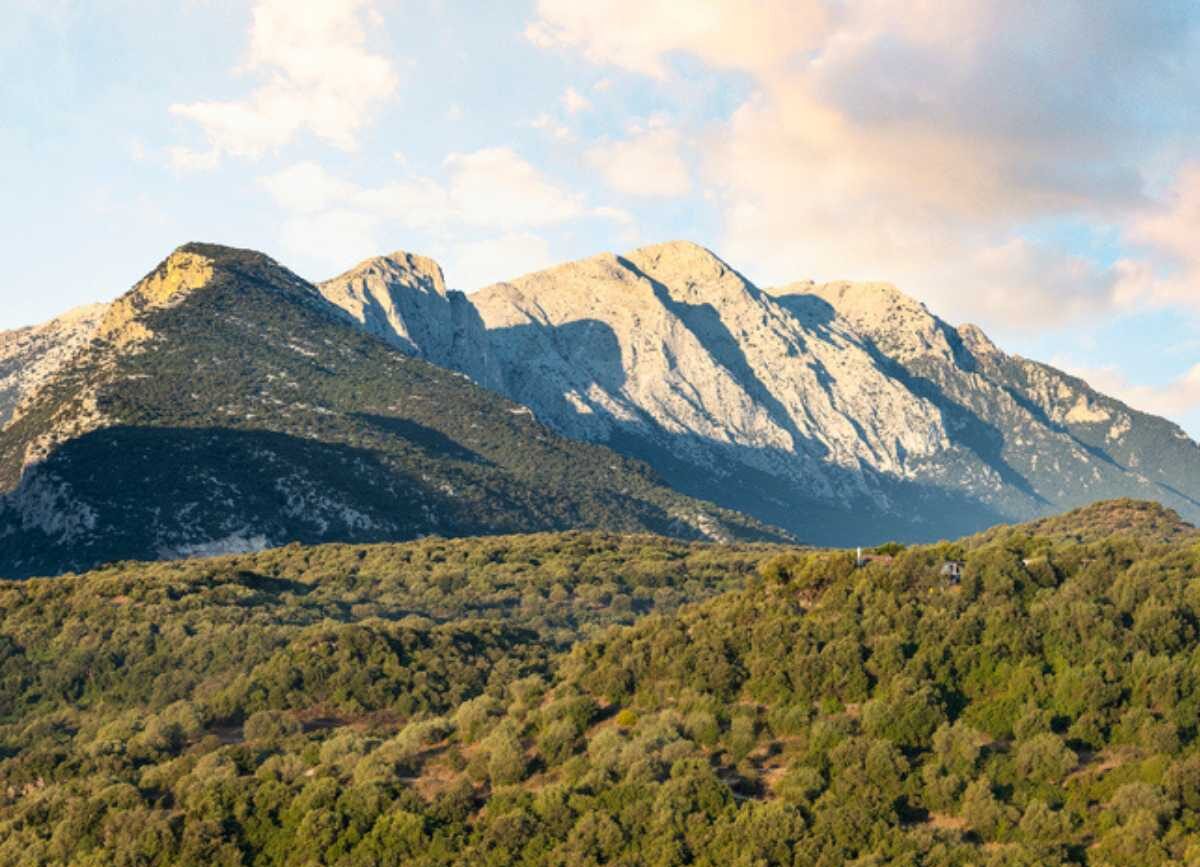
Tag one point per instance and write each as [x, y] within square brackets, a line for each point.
[224, 404]
[769, 404]
[402, 298]
[844, 411]
[29, 356]
[672, 346]
[1053, 441]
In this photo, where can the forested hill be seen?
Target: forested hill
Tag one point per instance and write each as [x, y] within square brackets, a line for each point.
[223, 404]
[409, 704]
[1149, 521]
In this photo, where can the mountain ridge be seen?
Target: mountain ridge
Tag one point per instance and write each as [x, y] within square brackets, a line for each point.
[848, 400]
[844, 412]
[229, 406]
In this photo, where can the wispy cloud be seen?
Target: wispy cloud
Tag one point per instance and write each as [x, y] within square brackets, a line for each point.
[574, 101]
[1178, 398]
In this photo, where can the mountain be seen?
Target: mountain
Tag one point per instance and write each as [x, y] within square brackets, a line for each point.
[224, 404]
[846, 413]
[29, 355]
[403, 300]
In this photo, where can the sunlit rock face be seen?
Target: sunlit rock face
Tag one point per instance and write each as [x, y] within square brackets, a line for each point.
[842, 411]
[28, 356]
[402, 298]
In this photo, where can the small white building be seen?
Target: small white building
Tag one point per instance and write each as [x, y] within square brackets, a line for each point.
[952, 570]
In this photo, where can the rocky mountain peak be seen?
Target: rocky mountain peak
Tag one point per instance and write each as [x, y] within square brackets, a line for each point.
[979, 344]
[177, 276]
[187, 270]
[677, 259]
[871, 303]
[896, 323]
[690, 272]
[400, 268]
[402, 299]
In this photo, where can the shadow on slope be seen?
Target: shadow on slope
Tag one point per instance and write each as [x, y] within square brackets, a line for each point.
[145, 492]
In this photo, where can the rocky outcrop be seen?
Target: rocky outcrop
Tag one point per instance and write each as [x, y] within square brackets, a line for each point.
[180, 273]
[672, 346]
[402, 298]
[30, 356]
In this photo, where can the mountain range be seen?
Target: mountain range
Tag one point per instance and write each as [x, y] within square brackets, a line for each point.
[223, 404]
[226, 404]
[842, 412]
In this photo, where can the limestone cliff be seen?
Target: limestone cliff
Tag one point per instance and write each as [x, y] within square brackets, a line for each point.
[841, 411]
[29, 356]
[402, 298]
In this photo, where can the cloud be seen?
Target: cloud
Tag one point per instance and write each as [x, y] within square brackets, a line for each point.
[930, 144]
[1170, 230]
[342, 235]
[552, 127]
[316, 75]
[491, 188]
[496, 187]
[475, 264]
[306, 187]
[725, 34]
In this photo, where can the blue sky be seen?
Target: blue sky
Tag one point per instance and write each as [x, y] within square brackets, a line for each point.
[1030, 167]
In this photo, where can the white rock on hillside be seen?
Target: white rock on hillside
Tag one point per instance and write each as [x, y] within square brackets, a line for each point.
[29, 356]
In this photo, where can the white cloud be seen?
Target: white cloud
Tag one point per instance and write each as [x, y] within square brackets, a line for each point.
[552, 127]
[492, 188]
[340, 236]
[317, 76]
[188, 160]
[494, 192]
[1171, 229]
[648, 164]
[727, 34]
[306, 188]
[574, 101]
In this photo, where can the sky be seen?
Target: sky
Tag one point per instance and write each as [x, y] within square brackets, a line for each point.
[1030, 167]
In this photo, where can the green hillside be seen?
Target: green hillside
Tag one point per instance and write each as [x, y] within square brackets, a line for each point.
[227, 406]
[546, 700]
